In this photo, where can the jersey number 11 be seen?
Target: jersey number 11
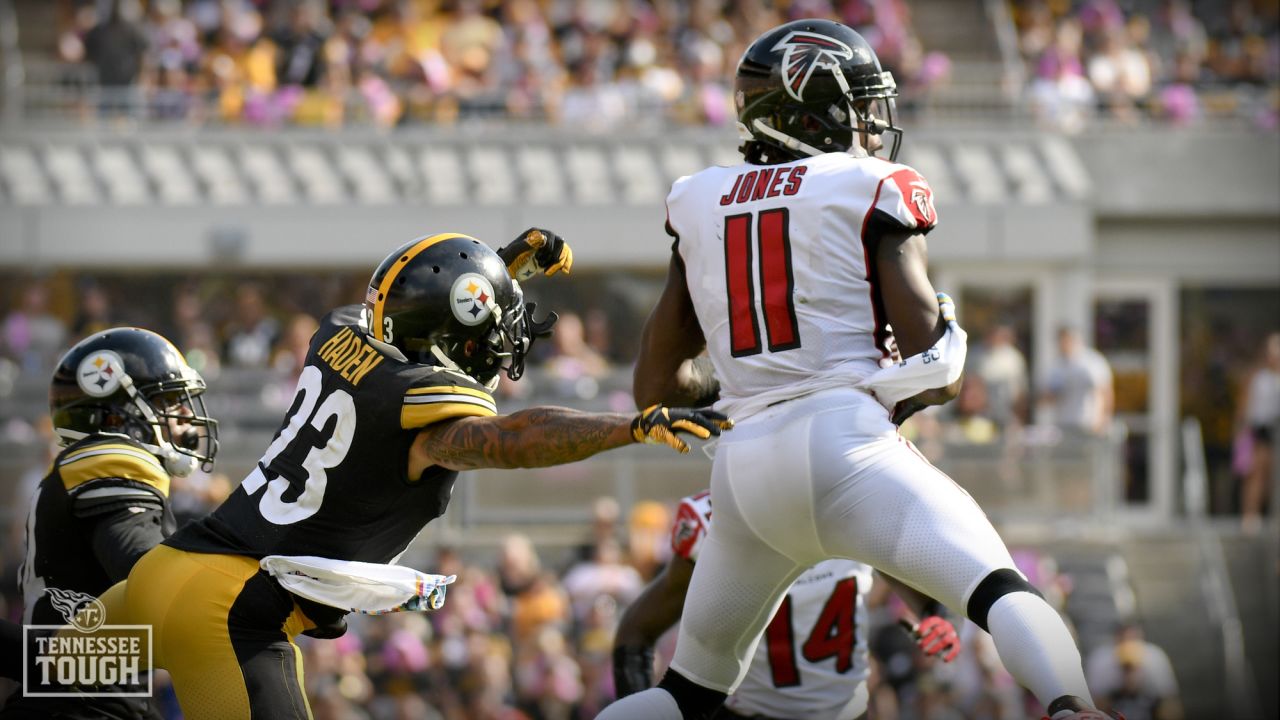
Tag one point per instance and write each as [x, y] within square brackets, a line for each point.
[777, 282]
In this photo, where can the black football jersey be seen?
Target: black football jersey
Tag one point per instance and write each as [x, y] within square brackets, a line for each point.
[103, 503]
[334, 481]
[99, 481]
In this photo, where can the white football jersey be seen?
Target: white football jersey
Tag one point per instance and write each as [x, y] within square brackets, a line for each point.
[776, 261]
[812, 660]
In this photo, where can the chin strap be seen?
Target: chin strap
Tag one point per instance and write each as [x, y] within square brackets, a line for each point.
[176, 463]
[784, 139]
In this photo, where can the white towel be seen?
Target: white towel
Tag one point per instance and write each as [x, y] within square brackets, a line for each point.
[368, 588]
[937, 367]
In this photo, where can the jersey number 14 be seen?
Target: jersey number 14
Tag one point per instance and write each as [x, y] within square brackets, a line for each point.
[834, 634]
[777, 282]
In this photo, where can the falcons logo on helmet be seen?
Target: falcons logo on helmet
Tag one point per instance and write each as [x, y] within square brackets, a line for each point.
[803, 52]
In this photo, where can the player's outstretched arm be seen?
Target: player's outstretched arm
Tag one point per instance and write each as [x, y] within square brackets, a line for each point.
[546, 436]
[654, 612]
[666, 371]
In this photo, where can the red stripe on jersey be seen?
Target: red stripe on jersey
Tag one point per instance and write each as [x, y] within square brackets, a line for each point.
[744, 333]
[776, 280]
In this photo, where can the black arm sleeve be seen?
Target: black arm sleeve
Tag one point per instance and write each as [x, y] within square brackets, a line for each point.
[123, 535]
[632, 669]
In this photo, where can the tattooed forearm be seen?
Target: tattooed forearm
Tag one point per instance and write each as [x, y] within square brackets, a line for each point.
[537, 437]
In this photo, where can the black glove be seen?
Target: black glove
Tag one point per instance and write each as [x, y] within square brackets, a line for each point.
[632, 669]
[536, 251]
[659, 424]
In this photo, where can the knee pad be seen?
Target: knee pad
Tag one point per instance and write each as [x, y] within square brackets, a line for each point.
[696, 702]
[993, 587]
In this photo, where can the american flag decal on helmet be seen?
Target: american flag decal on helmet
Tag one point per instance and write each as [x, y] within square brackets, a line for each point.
[804, 52]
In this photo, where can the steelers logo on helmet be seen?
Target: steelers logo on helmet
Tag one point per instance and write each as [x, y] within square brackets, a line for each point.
[100, 373]
[473, 299]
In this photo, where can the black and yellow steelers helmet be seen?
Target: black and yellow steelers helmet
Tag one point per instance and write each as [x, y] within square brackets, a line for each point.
[448, 300]
[133, 382]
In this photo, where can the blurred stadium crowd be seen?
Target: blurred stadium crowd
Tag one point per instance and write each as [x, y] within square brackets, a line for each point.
[389, 62]
[601, 63]
[1176, 60]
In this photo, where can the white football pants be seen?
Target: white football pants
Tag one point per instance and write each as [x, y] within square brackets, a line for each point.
[818, 477]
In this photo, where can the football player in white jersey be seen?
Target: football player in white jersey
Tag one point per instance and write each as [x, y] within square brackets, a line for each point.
[812, 661]
[790, 270]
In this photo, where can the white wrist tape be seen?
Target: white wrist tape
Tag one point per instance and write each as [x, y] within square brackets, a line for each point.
[369, 588]
[937, 367]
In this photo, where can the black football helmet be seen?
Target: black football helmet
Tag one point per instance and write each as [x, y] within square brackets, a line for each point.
[809, 87]
[448, 300]
[133, 382]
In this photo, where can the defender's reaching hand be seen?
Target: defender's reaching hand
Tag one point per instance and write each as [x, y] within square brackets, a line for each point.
[536, 251]
[936, 637]
[660, 425]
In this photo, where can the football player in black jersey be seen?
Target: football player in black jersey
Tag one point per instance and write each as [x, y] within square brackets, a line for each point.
[130, 413]
[394, 399]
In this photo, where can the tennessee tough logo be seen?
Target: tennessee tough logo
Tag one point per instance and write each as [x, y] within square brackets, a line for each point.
[803, 52]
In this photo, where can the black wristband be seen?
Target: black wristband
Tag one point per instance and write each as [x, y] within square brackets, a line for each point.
[632, 669]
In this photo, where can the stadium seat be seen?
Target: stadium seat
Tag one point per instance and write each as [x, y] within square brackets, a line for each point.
[442, 172]
[169, 175]
[979, 174]
[399, 165]
[72, 176]
[120, 176]
[25, 181]
[589, 175]
[540, 171]
[219, 175]
[368, 178]
[638, 175]
[1065, 167]
[1025, 173]
[319, 179]
[680, 160]
[491, 172]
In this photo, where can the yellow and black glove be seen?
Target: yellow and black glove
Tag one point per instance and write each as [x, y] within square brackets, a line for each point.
[536, 251]
[659, 425]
